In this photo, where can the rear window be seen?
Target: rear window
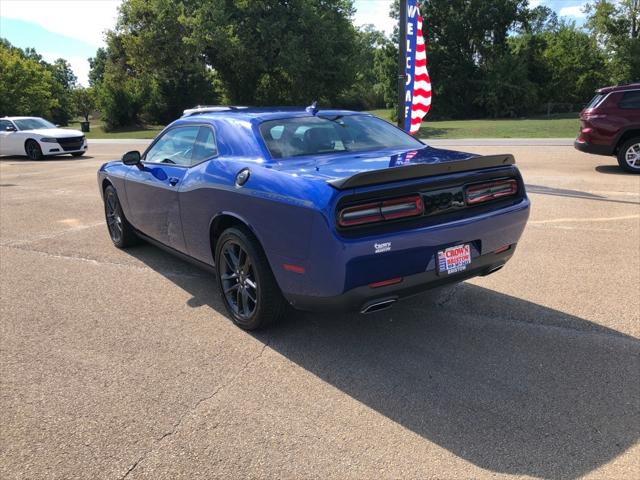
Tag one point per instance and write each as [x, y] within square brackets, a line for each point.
[595, 101]
[294, 137]
[630, 100]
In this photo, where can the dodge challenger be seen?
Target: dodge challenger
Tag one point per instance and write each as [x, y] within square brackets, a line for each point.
[314, 209]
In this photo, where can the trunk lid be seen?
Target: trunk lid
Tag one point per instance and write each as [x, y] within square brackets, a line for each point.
[334, 168]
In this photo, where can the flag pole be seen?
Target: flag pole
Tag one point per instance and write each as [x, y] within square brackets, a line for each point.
[402, 62]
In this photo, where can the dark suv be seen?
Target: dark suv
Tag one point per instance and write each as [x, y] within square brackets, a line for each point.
[610, 125]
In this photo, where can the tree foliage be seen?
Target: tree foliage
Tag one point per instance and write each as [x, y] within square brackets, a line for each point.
[493, 58]
[31, 86]
[85, 101]
[616, 27]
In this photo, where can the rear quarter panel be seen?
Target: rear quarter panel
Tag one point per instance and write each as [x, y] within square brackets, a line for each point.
[279, 209]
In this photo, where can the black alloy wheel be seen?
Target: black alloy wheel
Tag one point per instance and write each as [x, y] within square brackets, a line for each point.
[250, 292]
[239, 282]
[33, 150]
[120, 230]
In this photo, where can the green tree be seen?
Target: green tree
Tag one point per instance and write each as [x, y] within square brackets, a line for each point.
[271, 52]
[85, 101]
[616, 26]
[65, 82]
[25, 84]
[96, 67]
[123, 91]
[576, 65]
[152, 37]
[368, 89]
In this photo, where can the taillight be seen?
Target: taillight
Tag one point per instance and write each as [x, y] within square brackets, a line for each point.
[485, 192]
[380, 211]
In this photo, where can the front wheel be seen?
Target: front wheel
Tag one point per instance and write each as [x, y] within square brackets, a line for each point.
[120, 230]
[248, 288]
[629, 155]
[33, 150]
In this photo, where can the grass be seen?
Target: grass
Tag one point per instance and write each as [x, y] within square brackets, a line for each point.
[556, 126]
[97, 131]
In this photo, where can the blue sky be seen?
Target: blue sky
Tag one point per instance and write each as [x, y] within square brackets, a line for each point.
[73, 29]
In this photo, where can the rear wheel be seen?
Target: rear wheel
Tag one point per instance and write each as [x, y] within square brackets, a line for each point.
[629, 155]
[33, 150]
[120, 230]
[248, 288]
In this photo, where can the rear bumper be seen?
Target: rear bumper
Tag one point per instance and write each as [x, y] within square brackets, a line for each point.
[593, 149]
[360, 298]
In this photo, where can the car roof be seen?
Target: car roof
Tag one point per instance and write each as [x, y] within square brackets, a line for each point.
[261, 114]
[619, 88]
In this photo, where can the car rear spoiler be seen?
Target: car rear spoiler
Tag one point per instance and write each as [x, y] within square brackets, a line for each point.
[408, 172]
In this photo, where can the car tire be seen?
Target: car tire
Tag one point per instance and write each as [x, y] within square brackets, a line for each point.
[122, 234]
[248, 288]
[33, 150]
[629, 155]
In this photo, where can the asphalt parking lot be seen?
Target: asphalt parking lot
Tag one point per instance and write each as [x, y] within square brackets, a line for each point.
[122, 364]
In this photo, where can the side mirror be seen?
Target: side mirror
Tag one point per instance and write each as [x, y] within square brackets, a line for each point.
[131, 158]
[10, 128]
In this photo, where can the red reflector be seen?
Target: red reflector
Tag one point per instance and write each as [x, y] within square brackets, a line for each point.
[503, 249]
[385, 210]
[293, 268]
[486, 192]
[386, 283]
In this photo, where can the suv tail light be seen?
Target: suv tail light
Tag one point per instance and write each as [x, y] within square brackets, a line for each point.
[380, 211]
[486, 192]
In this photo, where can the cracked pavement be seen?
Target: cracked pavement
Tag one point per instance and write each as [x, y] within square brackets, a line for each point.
[123, 365]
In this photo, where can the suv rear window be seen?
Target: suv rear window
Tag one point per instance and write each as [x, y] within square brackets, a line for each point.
[630, 100]
[595, 101]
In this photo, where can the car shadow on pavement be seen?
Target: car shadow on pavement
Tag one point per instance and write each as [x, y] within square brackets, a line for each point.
[563, 192]
[612, 170]
[509, 385]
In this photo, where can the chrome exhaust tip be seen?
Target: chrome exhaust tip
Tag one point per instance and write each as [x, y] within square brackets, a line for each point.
[378, 306]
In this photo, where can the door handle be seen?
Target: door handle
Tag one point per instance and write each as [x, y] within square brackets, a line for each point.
[173, 181]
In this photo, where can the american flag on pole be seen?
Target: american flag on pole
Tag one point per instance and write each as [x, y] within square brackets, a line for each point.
[418, 88]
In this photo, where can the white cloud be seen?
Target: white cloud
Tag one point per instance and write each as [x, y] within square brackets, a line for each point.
[79, 65]
[375, 13]
[576, 11]
[81, 19]
[535, 3]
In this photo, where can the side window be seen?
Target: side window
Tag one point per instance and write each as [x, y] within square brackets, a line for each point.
[630, 100]
[175, 147]
[4, 124]
[205, 146]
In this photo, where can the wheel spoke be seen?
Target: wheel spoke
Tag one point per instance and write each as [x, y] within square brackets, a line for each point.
[233, 287]
[245, 301]
[252, 296]
[229, 276]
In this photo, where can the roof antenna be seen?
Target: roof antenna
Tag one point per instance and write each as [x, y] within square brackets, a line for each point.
[313, 108]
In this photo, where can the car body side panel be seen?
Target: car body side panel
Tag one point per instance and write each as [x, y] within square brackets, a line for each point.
[274, 207]
[153, 202]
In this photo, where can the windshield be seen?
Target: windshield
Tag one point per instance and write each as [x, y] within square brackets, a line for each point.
[294, 137]
[32, 123]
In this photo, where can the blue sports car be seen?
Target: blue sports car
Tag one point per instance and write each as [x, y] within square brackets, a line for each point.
[317, 210]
